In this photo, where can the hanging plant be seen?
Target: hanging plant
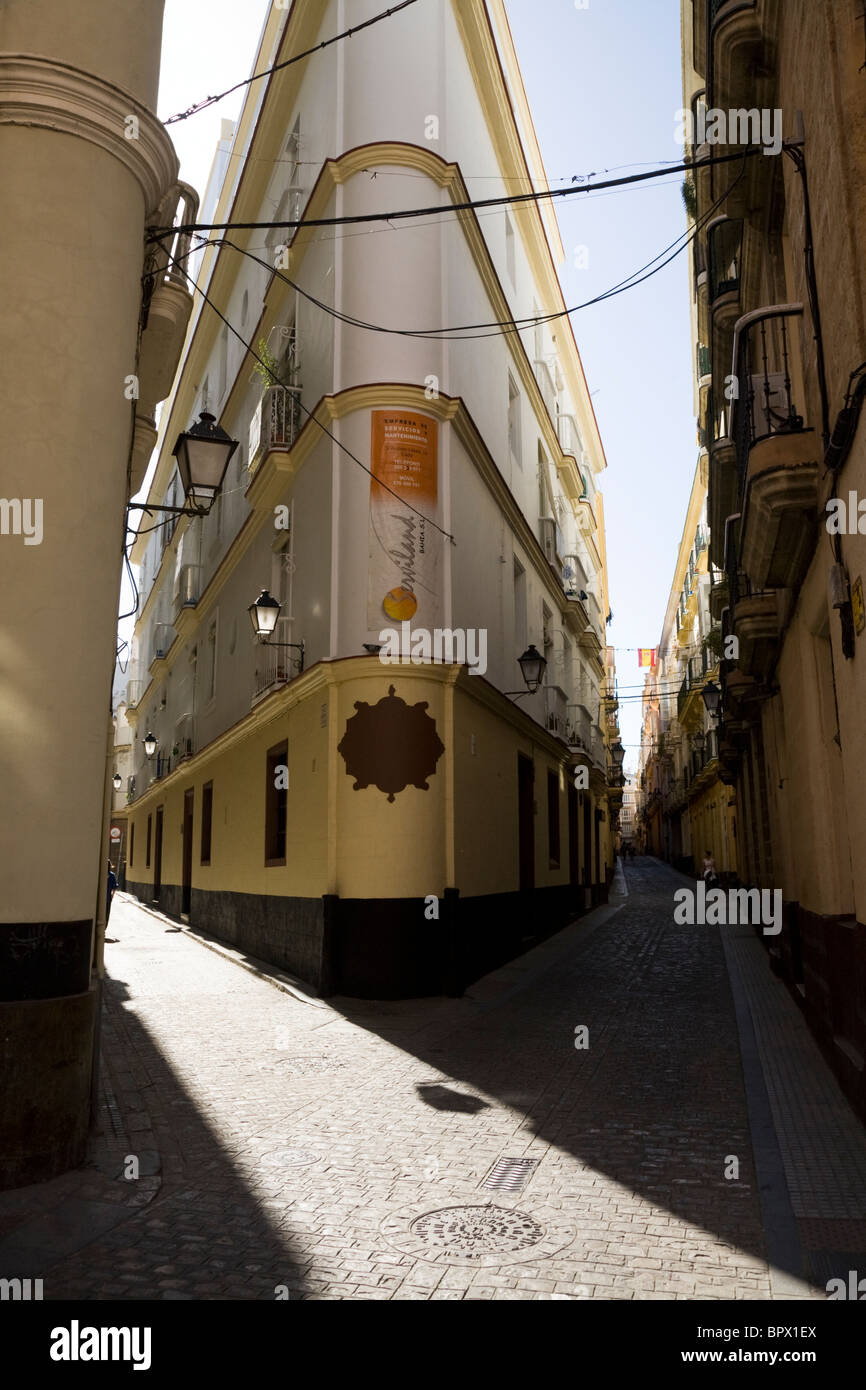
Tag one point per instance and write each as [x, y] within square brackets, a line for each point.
[713, 641]
[690, 199]
[266, 367]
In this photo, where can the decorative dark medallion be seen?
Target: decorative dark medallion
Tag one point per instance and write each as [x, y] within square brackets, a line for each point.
[391, 745]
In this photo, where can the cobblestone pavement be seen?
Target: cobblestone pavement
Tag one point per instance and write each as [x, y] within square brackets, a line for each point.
[289, 1147]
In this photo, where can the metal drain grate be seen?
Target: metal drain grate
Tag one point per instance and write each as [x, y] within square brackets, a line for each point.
[510, 1174]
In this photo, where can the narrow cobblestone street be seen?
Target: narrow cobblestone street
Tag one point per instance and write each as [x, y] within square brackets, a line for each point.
[291, 1147]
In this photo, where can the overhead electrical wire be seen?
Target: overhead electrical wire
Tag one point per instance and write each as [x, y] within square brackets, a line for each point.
[497, 327]
[471, 205]
[309, 413]
[277, 67]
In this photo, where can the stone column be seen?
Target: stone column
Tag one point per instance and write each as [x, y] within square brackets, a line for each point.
[85, 163]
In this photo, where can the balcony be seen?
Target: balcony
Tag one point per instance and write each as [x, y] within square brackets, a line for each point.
[756, 626]
[187, 588]
[547, 386]
[724, 250]
[573, 575]
[276, 423]
[722, 494]
[184, 738]
[134, 691]
[719, 596]
[555, 710]
[689, 701]
[163, 637]
[778, 457]
[733, 51]
[579, 728]
[275, 666]
[569, 436]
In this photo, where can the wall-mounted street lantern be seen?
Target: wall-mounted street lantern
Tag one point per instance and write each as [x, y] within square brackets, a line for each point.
[203, 453]
[117, 781]
[149, 745]
[532, 665]
[699, 740]
[264, 613]
[712, 696]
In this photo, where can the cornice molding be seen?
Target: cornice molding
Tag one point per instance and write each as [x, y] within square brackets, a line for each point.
[42, 93]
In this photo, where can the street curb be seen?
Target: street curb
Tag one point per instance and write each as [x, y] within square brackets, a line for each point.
[781, 1229]
[253, 966]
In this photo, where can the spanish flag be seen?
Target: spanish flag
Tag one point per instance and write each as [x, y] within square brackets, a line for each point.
[647, 656]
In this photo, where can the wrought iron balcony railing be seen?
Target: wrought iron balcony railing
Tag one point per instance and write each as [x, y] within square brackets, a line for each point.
[276, 422]
[724, 243]
[765, 403]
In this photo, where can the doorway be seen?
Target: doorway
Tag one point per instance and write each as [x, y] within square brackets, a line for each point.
[526, 822]
[573, 834]
[186, 874]
[157, 856]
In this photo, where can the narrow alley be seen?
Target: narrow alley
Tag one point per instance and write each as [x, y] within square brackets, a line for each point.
[291, 1148]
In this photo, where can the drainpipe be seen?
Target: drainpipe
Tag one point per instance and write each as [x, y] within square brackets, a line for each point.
[98, 958]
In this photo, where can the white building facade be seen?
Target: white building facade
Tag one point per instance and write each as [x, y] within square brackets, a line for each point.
[491, 529]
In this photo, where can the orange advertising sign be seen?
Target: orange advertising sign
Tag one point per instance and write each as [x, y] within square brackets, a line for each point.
[404, 551]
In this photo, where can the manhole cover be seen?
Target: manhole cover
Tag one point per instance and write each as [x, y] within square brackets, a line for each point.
[301, 1066]
[291, 1158]
[477, 1235]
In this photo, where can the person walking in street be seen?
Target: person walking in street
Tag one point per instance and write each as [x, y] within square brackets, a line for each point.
[112, 885]
[711, 878]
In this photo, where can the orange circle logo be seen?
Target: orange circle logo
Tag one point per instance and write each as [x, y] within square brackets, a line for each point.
[400, 604]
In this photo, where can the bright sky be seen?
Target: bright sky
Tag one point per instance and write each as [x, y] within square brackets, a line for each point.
[604, 86]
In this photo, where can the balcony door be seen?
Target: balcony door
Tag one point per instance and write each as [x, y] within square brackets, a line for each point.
[157, 856]
[526, 823]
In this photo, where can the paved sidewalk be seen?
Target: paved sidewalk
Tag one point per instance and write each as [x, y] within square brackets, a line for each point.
[339, 1149]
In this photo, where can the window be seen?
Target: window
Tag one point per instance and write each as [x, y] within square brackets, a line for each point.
[547, 633]
[514, 421]
[245, 308]
[553, 819]
[223, 364]
[206, 820]
[210, 674]
[276, 804]
[509, 250]
[147, 850]
[521, 637]
[131, 843]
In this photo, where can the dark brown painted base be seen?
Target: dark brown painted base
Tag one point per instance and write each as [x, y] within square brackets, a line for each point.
[44, 960]
[45, 1078]
[822, 960]
[382, 948]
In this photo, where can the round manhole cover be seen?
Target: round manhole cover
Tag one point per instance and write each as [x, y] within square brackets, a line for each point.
[477, 1235]
[302, 1066]
[291, 1158]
